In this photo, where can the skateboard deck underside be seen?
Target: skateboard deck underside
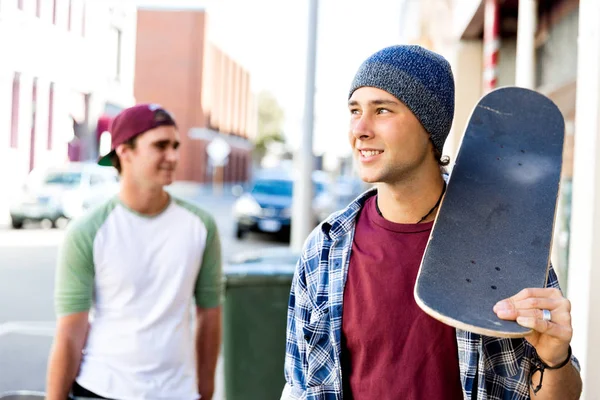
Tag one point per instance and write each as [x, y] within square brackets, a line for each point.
[493, 233]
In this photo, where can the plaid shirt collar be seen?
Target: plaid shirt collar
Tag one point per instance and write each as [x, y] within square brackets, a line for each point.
[342, 222]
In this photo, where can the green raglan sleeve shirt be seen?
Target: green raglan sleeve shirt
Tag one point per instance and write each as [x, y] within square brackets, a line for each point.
[75, 272]
[74, 279]
[209, 290]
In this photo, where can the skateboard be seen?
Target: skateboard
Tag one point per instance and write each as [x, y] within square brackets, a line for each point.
[493, 233]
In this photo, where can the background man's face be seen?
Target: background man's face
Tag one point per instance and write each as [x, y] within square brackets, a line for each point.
[153, 159]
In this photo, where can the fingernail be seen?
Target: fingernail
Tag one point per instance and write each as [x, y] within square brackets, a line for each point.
[526, 322]
[502, 305]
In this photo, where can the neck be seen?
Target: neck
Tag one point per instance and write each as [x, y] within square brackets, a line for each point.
[144, 200]
[409, 201]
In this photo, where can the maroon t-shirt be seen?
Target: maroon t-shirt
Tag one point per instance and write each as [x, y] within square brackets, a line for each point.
[391, 349]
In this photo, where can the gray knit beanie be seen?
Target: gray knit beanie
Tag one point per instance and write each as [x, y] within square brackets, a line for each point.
[417, 77]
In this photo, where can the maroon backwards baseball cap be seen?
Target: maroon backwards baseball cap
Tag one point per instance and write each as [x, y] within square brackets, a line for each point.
[134, 121]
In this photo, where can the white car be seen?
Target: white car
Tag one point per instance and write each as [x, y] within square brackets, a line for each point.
[63, 192]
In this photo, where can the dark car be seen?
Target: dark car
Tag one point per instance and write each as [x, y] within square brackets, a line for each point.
[267, 205]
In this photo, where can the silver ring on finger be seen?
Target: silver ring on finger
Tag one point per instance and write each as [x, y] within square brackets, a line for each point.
[546, 315]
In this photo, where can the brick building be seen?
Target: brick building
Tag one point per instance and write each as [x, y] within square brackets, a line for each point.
[208, 92]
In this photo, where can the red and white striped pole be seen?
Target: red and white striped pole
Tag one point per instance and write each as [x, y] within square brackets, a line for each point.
[491, 44]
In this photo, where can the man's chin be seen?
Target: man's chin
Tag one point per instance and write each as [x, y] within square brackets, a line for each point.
[167, 180]
[368, 178]
[167, 174]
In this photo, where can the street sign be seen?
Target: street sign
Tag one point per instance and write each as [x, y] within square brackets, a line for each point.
[218, 150]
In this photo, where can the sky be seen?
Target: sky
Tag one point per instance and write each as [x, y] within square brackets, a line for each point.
[269, 39]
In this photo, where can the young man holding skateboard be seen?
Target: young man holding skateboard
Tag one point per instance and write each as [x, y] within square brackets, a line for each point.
[354, 329]
[128, 275]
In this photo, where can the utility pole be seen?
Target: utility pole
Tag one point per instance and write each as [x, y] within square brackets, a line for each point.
[527, 25]
[584, 252]
[302, 214]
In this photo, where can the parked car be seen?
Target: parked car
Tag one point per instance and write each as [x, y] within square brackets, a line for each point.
[266, 206]
[62, 192]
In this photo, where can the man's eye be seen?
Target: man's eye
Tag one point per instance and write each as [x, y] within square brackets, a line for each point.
[382, 110]
[354, 111]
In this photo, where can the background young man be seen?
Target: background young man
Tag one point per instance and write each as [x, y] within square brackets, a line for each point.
[127, 275]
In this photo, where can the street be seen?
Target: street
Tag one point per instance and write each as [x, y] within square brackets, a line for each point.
[27, 263]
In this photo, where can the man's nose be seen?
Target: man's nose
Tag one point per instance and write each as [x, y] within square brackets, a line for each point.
[173, 154]
[362, 127]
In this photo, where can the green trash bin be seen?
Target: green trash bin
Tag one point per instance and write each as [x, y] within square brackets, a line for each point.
[257, 289]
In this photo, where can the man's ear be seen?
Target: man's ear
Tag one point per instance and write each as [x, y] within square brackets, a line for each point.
[124, 152]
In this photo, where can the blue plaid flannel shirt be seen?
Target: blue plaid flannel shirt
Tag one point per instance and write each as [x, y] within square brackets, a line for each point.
[314, 326]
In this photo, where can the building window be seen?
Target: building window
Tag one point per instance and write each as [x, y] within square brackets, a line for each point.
[14, 118]
[69, 15]
[50, 115]
[116, 38]
[54, 11]
[33, 124]
[38, 8]
[83, 16]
